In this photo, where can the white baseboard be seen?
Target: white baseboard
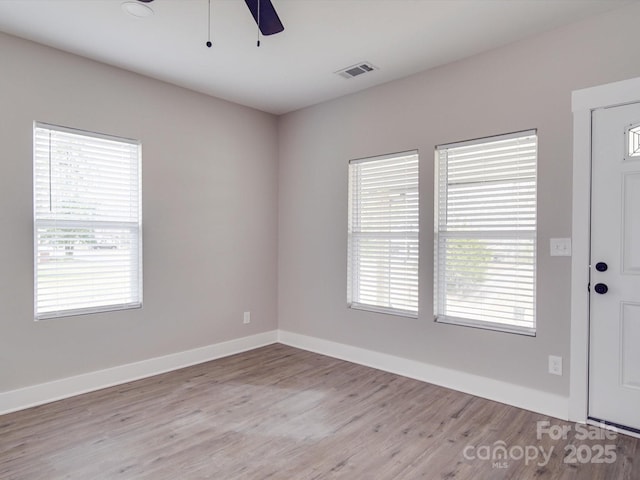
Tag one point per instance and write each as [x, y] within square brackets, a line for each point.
[499, 391]
[516, 395]
[31, 396]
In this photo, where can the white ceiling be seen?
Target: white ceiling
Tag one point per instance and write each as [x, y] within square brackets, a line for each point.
[295, 68]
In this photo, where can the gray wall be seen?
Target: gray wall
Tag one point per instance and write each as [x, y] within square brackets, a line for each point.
[209, 180]
[522, 86]
[245, 212]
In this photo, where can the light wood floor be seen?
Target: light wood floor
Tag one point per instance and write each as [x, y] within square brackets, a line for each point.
[284, 414]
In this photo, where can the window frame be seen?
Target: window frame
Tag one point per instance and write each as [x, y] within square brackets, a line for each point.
[354, 298]
[134, 226]
[632, 142]
[438, 289]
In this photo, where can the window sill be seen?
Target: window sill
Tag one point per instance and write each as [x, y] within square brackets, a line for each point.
[497, 327]
[87, 311]
[383, 310]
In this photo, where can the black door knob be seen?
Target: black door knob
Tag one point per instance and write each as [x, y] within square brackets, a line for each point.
[601, 288]
[602, 267]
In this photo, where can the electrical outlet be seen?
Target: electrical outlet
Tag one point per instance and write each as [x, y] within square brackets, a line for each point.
[555, 365]
[247, 317]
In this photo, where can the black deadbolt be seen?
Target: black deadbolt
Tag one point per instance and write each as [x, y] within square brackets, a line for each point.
[602, 267]
[601, 288]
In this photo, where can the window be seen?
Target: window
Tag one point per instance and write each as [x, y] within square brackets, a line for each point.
[633, 141]
[383, 234]
[485, 241]
[86, 222]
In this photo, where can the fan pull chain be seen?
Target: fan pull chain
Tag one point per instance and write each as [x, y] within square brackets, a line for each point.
[258, 42]
[209, 27]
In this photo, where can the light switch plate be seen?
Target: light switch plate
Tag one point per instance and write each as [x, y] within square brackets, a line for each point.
[560, 247]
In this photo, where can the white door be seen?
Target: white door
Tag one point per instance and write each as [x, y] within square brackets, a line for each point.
[614, 356]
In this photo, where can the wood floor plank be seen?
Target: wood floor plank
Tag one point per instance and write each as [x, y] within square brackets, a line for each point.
[279, 413]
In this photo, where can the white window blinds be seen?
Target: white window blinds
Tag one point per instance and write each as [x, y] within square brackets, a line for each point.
[383, 234]
[87, 222]
[485, 223]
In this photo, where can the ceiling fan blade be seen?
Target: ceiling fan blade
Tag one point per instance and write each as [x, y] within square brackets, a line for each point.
[269, 21]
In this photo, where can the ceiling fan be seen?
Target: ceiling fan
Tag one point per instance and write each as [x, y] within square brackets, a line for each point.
[263, 13]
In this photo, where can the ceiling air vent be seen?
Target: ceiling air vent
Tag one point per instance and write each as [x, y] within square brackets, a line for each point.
[355, 70]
